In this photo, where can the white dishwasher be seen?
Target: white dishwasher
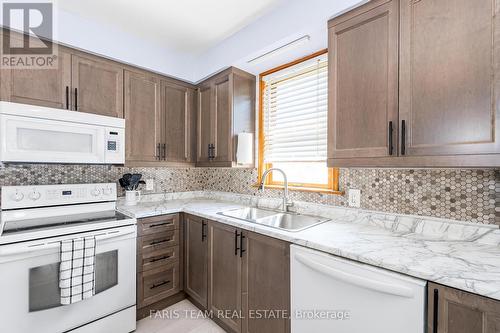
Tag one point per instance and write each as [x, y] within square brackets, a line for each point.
[331, 294]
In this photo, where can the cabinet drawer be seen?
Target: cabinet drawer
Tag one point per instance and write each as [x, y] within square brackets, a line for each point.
[158, 258]
[157, 241]
[152, 225]
[157, 284]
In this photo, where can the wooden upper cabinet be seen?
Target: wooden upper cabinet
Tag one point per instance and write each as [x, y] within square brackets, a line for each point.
[226, 107]
[97, 86]
[363, 81]
[142, 115]
[446, 84]
[223, 113]
[224, 275]
[449, 92]
[205, 124]
[455, 311]
[38, 86]
[196, 259]
[177, 108]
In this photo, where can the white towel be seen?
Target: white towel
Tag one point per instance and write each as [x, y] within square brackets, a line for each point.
[77, 269]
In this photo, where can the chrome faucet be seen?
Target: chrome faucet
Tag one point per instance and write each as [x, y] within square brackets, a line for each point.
[286, 201]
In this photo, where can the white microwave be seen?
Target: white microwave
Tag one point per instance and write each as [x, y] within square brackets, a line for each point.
[35, 134]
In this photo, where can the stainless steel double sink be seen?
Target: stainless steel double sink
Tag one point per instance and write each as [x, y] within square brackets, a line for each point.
[274, 219]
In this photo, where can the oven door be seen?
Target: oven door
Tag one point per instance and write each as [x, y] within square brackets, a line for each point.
[29, 283]
[25, 139]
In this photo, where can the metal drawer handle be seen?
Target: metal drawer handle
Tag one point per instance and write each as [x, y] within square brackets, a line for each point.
[160, 224]
[156, 242]
[203, 233]
[158, 259]
[159, 284]
[435, 316]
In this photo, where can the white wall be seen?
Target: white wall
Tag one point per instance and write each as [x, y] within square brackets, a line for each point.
[78, 32]
[288, 21]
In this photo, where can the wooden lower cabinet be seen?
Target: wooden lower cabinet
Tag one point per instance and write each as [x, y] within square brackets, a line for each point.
[454, 311]
[249, 280]
[242, 278]
[159, 263]
[196, 259]
[224, 275]
[266, 284]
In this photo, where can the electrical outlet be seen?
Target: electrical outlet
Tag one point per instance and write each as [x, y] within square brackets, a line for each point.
[354, 198]
[150, 184]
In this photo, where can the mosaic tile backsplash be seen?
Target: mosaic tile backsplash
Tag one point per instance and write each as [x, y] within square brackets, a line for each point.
[466, 195]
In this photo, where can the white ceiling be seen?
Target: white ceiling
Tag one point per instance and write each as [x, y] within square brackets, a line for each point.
[188, 26]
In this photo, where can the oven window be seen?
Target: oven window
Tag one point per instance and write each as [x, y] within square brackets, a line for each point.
[44, 281]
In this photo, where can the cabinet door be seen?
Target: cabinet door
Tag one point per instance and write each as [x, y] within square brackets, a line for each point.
[223, 119]
[224, 269]
[363, 82]
[266, 284]
[196, 259]
[454, 311]
[175, 122]
[97, 86]
[43, 87]
[449, 63]
[142, 116]
[205, 123]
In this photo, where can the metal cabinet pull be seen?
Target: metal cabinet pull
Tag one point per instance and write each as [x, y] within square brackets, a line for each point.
[390, 138]
[76, 99]
[203, 233]
[164, 151]
[436, 313]
[158, 147]
[211, 151]
[158, 259]
[67, 97]
[159, 284]
[403, 137]
[236, 248]
[159, 224]
[242, 237]
[156, 242]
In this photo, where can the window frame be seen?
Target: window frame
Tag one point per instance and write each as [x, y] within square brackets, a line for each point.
[333, 173]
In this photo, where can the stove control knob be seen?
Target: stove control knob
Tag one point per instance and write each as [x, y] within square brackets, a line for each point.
[107, 191]
[95, 192]
[18, 196]
[35, 195]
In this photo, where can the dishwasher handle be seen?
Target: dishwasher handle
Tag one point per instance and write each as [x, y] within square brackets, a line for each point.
[379, 286]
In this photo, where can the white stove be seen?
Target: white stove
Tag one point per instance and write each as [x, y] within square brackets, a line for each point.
[34, 220]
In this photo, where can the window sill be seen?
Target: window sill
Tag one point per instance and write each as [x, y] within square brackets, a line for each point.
[304, 189]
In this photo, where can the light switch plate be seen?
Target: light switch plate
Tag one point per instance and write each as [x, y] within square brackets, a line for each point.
[354, 198]
[150, 184]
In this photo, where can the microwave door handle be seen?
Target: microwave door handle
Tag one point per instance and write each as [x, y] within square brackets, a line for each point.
[356, 280]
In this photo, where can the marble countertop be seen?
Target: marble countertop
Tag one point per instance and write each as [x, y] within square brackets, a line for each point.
[460, 255]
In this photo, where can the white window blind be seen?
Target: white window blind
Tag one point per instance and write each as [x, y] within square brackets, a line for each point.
[295, 113]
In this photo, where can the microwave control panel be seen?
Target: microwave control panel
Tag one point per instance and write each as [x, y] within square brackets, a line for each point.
[115, 146]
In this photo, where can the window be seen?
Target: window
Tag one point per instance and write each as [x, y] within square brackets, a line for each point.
[293, 124]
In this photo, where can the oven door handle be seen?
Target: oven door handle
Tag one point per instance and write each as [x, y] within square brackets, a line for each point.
[11, 250]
